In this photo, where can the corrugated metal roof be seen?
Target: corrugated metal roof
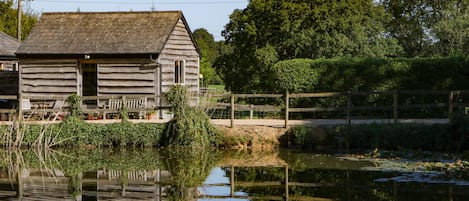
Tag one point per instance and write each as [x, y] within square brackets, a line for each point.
[8, 45]
[100, 33]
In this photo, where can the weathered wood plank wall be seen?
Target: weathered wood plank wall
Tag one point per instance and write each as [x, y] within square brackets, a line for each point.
[125, 79]
[48, 77]
[179, 47]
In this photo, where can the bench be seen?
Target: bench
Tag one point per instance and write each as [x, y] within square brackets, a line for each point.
[131, 104]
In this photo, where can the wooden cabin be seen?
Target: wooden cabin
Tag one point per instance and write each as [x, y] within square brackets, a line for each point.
[8, 46]
[108, 54]
[8, 65]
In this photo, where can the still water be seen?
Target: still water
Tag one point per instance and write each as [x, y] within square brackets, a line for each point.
[196, 174]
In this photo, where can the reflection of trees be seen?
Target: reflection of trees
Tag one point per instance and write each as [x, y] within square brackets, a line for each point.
[189, 168]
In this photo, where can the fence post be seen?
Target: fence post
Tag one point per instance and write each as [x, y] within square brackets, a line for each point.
[232, 110]
[251, 111]
[20, 108]
[349, 107]
[287, 105]
[17, 123]
[395, 105]
[286, 183]
[450, 104]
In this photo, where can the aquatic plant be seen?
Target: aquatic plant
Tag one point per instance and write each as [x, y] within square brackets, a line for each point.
[190, 126]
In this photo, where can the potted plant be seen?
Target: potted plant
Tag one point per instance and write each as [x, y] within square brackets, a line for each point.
[151, 115]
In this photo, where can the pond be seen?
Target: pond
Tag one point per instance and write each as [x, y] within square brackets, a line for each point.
[198, 174]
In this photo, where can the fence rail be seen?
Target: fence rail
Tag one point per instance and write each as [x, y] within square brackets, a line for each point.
[447, 99]
[348, 107]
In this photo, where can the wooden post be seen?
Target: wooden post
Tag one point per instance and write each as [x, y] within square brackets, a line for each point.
[19, 179]
[450, 193]
[287, 105]
[349, 107]
[286, 182]
[450, 104]
[251, 112]
[18, 122]
[232, 184]
[18, 31]
[158, 189]
[395, 105]
[394, 190]
[20, 108]
[232, 110]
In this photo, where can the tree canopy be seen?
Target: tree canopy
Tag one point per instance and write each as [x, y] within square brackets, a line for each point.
[8, 20]
[429, 27]
[269, 31]
[210, 51]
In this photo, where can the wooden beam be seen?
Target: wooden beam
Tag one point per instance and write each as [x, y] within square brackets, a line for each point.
[287, 108]
[232, 110]
[317, 95]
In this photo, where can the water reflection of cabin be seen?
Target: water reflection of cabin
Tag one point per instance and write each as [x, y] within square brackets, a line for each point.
[108, 54]
[105, 184]
[8, 65]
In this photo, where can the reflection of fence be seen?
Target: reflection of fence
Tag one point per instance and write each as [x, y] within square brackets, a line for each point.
[286, 184]
[325, 185]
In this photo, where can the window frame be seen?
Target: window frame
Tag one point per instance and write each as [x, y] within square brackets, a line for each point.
[179, 71]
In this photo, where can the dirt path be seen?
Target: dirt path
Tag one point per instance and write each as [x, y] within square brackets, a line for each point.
[266, 122]
[320, 122]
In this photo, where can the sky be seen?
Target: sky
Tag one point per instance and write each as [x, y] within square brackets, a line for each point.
[212, 15]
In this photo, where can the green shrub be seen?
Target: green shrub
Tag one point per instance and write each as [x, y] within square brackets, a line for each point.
[300, 136]
[190, 126]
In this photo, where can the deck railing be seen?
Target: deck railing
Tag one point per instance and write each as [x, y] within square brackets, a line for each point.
[447, 101]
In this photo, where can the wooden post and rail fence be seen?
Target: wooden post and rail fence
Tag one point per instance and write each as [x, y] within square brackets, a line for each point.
[55, 104]
[349, 106]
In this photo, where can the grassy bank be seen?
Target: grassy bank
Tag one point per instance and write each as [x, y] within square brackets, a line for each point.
[189, 127]
[74, 132]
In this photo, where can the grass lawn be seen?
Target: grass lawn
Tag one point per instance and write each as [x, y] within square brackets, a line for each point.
[219, 87]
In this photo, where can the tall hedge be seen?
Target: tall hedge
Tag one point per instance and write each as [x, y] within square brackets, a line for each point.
[359, 74]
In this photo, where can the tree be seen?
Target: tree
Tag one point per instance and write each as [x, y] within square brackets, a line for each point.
[429, 27]
[209, 50]
[451, 32]
[8, 20]
[269, 30]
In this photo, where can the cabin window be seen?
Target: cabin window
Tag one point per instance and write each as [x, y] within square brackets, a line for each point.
[1, 66]
[15, 67]
[179, 71]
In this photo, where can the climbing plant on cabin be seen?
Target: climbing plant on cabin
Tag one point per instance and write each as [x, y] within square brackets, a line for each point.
[75, 105]
[190, 126]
